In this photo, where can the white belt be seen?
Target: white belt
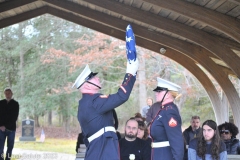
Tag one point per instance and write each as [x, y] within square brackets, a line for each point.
[100, 132]
[160, 144]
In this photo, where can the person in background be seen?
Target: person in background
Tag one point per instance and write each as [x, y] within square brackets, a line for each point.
[165, 129]
[79, 141]
[9, 110]
[228, 132]
[208, 145]
[131, 144]
[139, 117]
[193, 130]
[146, 108]
[142, 131]
[153, 110]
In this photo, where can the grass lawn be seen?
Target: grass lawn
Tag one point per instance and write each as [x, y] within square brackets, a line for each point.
[50, 145]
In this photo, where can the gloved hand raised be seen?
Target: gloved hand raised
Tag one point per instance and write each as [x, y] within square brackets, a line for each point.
[132, 63]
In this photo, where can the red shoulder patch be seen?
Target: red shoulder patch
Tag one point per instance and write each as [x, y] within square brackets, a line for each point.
[103, 96]
[172, 122]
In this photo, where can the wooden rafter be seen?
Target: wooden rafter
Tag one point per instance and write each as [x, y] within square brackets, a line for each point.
[8, 5]
[22, 17]
[228, 71]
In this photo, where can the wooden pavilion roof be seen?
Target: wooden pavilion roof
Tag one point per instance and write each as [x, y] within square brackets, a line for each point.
[194, 33]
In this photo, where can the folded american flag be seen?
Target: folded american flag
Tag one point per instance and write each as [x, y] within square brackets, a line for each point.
[130, 44]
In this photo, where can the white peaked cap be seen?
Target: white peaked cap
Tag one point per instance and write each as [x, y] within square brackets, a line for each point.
[164, 84]
[83, 77]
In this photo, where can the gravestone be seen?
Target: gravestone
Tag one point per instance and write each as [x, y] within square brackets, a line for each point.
[27, 130]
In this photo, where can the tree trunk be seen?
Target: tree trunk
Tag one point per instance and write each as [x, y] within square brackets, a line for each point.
[49, 118]
[66, 123]
[36, 119]
[60, 120]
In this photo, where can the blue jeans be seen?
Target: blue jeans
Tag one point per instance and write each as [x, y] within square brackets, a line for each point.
[10, 135]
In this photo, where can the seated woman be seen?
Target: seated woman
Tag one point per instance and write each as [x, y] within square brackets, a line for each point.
[208, 145]
[228, 132]
[142, 131]
[139, 117]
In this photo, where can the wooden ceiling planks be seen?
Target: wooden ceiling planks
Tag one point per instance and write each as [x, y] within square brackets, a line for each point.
[137, 3]
[204, 15]
[235, 12]
[213, 4]
[39, 4]
[201, 2]
[226, 7]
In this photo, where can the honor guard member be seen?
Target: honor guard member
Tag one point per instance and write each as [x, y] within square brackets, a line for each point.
[165, 130]
[95, 110]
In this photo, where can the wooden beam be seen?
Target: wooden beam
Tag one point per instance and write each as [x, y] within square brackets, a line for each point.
[8, 5]
[226, 24]
[230, 43]
[199, 37]
[22, 17]
[228, 71]
[224, 81]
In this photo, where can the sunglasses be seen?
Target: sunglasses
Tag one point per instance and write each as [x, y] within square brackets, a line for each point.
[224, 131]
[140, 124]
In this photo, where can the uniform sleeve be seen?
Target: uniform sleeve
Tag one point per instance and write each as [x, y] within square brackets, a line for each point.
[106, 103]
[172, 125]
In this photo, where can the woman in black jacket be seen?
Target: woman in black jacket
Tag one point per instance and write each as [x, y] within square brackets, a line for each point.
[228, 132]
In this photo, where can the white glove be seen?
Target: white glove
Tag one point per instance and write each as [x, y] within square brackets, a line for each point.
[132, 67]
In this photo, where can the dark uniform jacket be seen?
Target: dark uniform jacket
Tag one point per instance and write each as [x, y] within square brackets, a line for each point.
[9, 114]
[233, 146]
[140, 148]
[95, 113]
[166, 126]
[152, 111]
[189, 134]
